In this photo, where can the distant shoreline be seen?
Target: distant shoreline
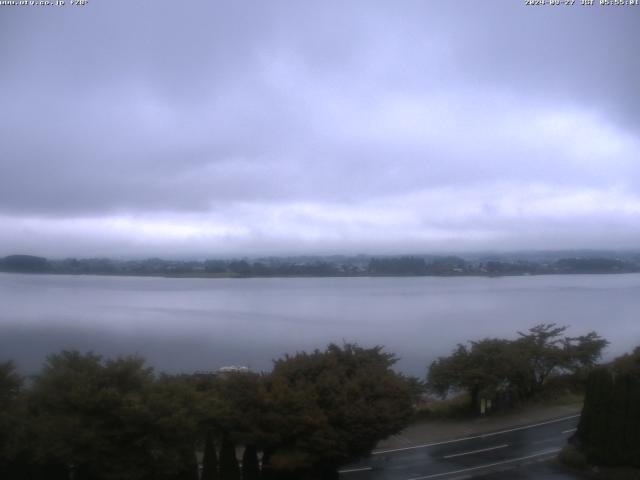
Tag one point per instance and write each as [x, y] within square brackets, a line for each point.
[326, 267]
[363, 275]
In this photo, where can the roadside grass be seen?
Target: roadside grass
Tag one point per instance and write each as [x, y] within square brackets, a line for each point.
[566, 398]
[457, 408]
[451, 408]
[557, 399]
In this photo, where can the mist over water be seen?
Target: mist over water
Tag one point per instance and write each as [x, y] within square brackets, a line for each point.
[202, 324]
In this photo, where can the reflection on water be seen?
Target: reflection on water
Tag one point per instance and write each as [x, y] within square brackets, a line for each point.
[189, 324]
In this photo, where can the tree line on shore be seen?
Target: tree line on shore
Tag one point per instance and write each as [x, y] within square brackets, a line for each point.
[320, 266]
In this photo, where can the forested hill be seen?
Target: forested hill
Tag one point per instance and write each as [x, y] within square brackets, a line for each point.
[333, 266]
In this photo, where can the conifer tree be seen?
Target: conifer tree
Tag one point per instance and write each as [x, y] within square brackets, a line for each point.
[229, 469]
[250, 466]
[210, 459]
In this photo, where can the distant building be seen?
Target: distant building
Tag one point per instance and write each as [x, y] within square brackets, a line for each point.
[233, 369]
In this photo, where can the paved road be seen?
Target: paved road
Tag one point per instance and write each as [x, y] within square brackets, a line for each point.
[489, 456]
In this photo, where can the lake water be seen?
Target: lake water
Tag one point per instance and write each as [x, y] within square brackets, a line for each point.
[201, 324]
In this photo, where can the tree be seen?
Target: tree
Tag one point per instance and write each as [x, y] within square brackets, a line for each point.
[239, 399]
[229, 469]
[250, 465]
[11, 421]
[113, 420]
[546, 352]
[63, 401]
[24, 263]
[233, 404]
[209, 459]
[542, 348]
[505, 370]
[329, 406]
[609, 428]
[398, 266]
[173, 423]
[628, 364]
[583, 352]
[485, 369]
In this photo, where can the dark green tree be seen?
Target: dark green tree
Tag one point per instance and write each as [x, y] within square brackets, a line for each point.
[175, 414]
[250, 464]
[237, 406]
[484, 369]
[229, 469]
[13, 451]
[209, 459]
[547, 352]
[583, 352]
[609, 428]
[542, 347]
[327, 407]
[113, 420]
[508, 370]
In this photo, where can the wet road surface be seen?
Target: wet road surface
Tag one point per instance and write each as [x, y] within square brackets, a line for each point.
[514, 453]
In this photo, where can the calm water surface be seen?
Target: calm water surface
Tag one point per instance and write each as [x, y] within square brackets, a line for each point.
[202, 324]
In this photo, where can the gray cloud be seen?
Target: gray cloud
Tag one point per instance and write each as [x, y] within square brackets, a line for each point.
[156, 126]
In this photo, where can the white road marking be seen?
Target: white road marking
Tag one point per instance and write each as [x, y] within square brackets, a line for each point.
[351, 470]
[474, 437]
[488, 465]
[569, 431]
[476, 451]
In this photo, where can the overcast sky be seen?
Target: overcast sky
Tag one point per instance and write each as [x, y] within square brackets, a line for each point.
[204, 128]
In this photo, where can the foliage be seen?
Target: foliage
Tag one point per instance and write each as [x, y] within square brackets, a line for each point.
[240, 404]
[329, 406]
[628, 364]
[209, 459]
[24, 263]
[10, 427]
[609, 428]
[324, 266]
[508, 370]
[98, 419]
[174, 414]
[487, 367]
[112, 419]
[229, 468]
[594, 265]
[250, 464]
[398, 266]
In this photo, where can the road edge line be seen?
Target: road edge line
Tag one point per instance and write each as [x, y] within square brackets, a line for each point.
[474, 437]
[488, 465]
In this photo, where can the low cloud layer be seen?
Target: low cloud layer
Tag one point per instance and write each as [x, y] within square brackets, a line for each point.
[272, 127]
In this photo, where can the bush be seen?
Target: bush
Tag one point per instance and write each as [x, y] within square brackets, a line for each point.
[572, 457]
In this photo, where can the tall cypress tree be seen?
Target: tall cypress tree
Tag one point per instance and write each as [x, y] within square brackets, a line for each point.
[609, 429]
[250, 466]
[267, 472]
[191, 471]
[188, 469]
[229, 469]
[210, 459]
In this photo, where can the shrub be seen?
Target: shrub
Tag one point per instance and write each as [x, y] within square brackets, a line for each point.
[572, 457]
